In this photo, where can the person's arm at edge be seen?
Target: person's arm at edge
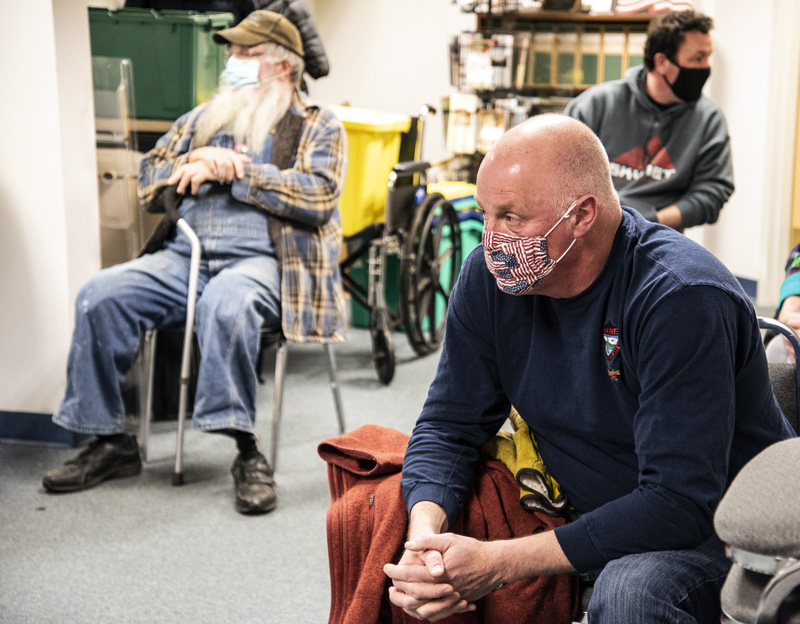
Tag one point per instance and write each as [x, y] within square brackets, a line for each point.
[670, 216]
[712, 177]
[790, 312]
[790, 286]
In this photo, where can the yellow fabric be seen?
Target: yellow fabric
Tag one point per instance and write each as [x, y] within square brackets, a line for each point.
[518, 451]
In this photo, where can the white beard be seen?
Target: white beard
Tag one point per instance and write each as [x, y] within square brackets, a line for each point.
[248, 114]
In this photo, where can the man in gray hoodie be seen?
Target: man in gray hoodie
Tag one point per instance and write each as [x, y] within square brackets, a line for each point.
[667, 143]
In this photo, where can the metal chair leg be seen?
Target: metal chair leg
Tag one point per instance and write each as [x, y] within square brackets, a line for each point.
[280, 371]
[337, 399]
[148, 367]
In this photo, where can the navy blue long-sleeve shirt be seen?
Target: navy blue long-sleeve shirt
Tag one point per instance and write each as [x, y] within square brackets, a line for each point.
[646, 393]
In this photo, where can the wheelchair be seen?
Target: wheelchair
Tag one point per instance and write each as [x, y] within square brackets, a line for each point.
[420, 230]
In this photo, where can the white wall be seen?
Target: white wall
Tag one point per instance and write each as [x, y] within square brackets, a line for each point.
[48, 195]
[388, 55]
[392, 56]
[755, 78]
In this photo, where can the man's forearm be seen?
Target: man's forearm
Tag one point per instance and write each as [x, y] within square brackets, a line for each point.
[425, 518]
[527, 557]
[514, 559]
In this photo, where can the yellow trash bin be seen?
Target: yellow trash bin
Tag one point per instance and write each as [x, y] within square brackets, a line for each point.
[373, 146]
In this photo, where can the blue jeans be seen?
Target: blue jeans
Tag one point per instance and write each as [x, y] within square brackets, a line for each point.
[237, 295]
[661, 587]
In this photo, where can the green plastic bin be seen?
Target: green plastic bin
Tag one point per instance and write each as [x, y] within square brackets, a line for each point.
[176, 65]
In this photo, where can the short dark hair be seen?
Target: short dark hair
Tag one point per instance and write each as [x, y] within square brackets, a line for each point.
[667, 31]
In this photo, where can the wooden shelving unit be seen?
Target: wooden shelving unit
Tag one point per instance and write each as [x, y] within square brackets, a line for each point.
[567, 51]
[530, 61]
[533, 15]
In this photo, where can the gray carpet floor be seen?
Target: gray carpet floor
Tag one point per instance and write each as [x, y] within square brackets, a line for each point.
[141, 550]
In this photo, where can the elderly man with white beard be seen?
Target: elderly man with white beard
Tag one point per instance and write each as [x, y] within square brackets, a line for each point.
[261, 169]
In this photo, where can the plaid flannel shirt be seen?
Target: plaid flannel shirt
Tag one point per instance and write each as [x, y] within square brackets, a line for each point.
[301, 203]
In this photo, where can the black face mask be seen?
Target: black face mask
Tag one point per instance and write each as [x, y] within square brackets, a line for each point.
[688, 86]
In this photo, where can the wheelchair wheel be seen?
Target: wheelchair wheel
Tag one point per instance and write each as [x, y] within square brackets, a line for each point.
[428, 270]
[382, 344]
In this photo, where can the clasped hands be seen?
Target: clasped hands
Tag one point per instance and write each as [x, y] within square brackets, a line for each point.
[440, 575]
[214, 164]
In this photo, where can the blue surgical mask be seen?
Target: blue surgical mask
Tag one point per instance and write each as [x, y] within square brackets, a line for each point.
[240, 72]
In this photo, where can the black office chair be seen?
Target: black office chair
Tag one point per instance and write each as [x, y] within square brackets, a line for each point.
[757, 517]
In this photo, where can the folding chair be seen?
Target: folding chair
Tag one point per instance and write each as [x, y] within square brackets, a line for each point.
[275, 336]
[171, 201]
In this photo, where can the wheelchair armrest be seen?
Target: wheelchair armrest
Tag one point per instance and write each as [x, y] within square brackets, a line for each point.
[410, 167]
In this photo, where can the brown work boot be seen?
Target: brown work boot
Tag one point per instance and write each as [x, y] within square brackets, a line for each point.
[102, 460]
[255, 491]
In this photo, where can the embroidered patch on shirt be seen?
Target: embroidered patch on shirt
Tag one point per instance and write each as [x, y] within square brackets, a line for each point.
[611, 350]
[611, 341]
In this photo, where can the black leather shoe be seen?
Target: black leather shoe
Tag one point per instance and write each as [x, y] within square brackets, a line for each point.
[100, 461]
[255, 491]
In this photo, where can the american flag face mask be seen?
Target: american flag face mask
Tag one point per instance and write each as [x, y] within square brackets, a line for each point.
[520, 263]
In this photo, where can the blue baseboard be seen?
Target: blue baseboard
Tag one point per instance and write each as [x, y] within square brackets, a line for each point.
[35, 429]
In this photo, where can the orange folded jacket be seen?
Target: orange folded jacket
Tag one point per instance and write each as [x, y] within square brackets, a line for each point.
[366, 527]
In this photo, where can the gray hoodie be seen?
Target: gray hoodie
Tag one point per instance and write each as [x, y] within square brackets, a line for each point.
[679, 156]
